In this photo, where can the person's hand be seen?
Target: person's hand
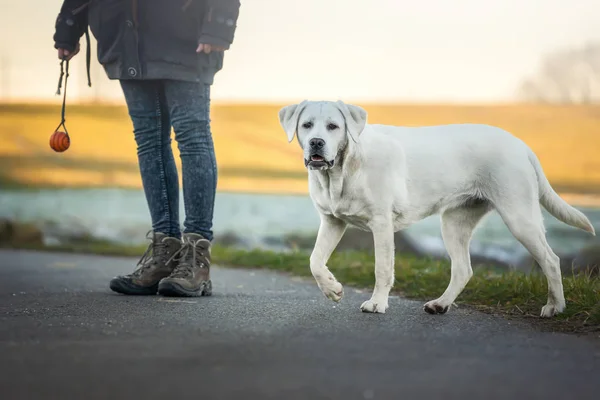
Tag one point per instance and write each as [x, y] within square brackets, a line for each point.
[207, 48]
[64, 54]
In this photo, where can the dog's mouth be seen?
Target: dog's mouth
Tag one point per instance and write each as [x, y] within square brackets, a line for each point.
[317, 161]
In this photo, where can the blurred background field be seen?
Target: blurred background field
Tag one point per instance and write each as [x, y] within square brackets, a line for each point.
[252, 150]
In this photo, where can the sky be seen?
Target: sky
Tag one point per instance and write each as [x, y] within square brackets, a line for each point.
[465, 51]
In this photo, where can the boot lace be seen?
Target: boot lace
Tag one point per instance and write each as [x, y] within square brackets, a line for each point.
[191, 255]
[154, 249]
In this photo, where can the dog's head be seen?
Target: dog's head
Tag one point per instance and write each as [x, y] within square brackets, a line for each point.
[323, 128]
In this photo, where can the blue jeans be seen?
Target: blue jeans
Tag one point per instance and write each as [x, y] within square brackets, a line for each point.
[154, 107]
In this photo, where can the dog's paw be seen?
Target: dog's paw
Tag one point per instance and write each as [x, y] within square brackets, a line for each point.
[550, 310]
[374, 306]
[333, 290]
[435, 307]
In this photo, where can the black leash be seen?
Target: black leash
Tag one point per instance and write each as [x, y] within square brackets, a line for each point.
[88, 52]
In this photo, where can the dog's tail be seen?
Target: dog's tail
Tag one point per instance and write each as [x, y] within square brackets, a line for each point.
[555, 204]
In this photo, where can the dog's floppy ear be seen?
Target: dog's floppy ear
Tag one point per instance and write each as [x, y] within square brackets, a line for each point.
[288, 118]
[355, 117]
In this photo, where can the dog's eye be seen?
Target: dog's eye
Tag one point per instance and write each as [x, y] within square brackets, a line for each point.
[332, 127]
[307, 125]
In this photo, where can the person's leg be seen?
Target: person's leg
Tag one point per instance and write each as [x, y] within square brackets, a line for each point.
[152, 128]
[189, 107]
[149, 113]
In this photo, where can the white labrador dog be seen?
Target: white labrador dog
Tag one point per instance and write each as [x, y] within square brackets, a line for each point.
[382, 179]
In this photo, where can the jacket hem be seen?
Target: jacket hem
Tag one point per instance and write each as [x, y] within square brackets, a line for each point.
[158, 70]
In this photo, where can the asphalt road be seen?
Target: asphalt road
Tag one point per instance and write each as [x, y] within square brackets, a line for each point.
[65, 335]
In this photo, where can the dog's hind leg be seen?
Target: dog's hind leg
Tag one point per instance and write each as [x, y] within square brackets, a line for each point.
[457, 228]
[330, 233]
[523, 216]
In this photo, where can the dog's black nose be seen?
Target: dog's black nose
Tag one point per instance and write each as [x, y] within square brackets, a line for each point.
[316, 143]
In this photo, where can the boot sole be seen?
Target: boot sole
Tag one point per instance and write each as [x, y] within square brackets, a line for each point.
[123, 287]
[170, 289]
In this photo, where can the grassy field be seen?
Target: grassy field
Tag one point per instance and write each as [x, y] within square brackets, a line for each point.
[252, 150]
[511, 294]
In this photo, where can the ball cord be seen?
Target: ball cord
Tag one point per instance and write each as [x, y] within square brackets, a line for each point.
[64, 73]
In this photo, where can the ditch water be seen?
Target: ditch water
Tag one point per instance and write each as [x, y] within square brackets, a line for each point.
[121, 214]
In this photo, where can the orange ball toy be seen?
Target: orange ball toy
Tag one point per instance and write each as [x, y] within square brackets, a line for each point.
[59, 141]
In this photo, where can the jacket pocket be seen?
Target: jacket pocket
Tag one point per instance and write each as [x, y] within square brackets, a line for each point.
[176, 19]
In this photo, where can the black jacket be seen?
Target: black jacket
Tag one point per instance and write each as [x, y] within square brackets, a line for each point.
[151, 39]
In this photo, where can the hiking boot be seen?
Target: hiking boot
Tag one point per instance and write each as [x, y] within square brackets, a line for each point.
[191, 276]
[157, 262]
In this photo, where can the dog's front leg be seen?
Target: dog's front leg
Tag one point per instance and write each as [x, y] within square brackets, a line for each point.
[330, 233]
[383, 238]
